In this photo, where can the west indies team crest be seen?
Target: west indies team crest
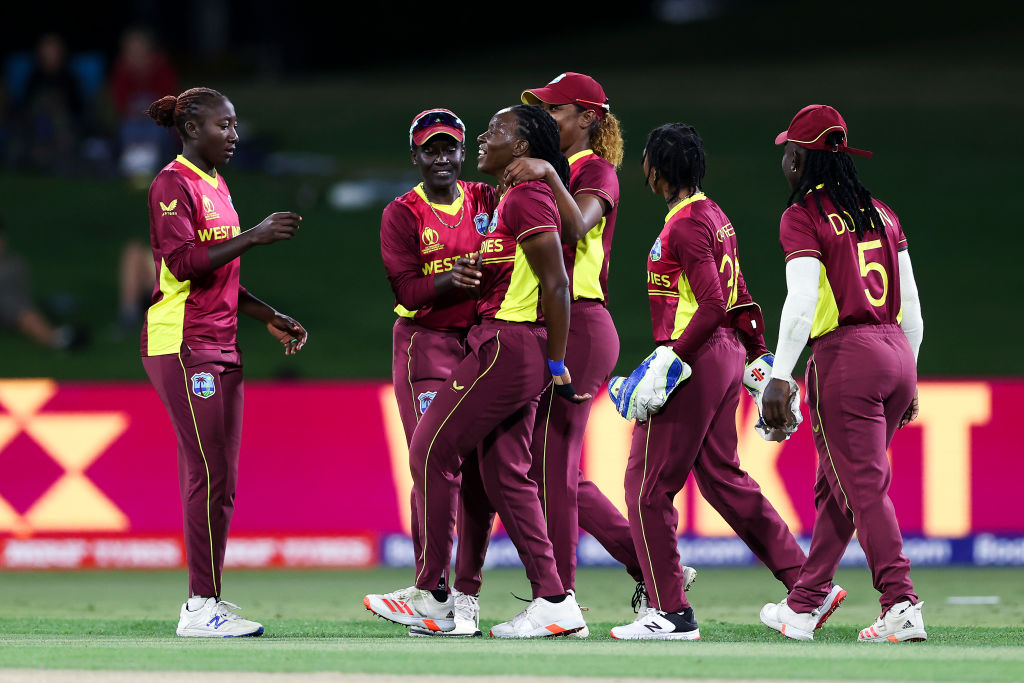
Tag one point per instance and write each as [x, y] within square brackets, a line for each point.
[203, 385]
[425, 399]
[656, 250]
[481, 222]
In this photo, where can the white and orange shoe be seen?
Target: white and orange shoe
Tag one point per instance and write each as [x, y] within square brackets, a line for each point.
[802, 625]
[467, 619]
[542, 619]
[900, 623]
[413, 606]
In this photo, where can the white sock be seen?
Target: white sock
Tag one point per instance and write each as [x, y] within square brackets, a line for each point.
[195, 602]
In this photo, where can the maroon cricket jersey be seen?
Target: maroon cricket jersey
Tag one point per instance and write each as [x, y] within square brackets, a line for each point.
[419, 240]
[860, 278]
[510, 290]
[586, 262]
[190, 211]
[693, 274]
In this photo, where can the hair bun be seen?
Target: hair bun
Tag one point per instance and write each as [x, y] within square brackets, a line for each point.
[162, 111]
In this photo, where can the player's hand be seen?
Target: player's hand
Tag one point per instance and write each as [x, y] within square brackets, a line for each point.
[466, 273]
[276, 227]
[523, 169]
[289, 332]
[564, 388]
[777, 404]
[648, 388]
[911, 413]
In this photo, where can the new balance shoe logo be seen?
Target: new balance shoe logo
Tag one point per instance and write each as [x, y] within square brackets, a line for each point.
[653, 626]
[217, 621]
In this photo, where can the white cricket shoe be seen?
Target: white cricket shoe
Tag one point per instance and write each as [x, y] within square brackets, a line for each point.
[215, 619]
[585, 631]
[413, 606]
[654, 624]
[467, 619]
[801, 625]
[902, 622]
[541, 619]
[795, 625]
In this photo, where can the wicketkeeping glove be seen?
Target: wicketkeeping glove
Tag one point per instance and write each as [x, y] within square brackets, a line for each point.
[755, 378]
[647, 388]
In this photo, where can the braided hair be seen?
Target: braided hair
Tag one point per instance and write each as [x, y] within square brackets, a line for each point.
[175, 111]
[676, 153]
[837, 173]
[539, 129]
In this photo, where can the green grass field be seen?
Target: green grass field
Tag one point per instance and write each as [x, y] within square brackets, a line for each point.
[315, 622]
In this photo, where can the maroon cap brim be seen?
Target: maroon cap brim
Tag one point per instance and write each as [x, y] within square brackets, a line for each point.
[422, 136]
[546, 95]
[782, 137]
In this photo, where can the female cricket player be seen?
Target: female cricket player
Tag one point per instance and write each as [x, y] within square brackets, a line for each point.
[849, 276]
[491, 398]
[694, 284]
[592, 141]
[423, 235]
[189, 339]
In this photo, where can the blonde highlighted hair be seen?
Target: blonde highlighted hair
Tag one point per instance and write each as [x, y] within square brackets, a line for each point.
[606, 139]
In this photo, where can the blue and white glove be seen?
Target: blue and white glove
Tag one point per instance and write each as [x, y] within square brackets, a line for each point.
[647, 388]
[756, 376]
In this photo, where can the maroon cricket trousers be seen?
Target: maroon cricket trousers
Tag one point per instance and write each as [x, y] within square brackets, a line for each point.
[860, 381]
[488, 404]
[202, 391]
[570, 501]
[696, 430]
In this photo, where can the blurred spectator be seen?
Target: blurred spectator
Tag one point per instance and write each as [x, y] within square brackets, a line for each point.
[141, 75]
[17, 311]
[49, 116]
[137, 277]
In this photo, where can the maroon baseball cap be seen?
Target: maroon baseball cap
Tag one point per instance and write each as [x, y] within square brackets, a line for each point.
[570, 88]
[431, 122]
[811, 126]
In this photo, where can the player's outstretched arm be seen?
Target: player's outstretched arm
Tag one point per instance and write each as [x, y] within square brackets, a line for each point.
[570, 211]
[287, 330]
[276, 227]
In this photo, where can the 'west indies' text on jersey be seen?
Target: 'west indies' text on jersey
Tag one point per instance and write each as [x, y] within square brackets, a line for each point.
[693, 274]
[510, 290]
[189, 212]
[419, 239]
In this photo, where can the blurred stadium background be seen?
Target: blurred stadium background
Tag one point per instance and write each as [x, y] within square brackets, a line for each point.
[325, 99]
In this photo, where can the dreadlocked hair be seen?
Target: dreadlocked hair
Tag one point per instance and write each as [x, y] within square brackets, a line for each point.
[175, 111]
[676, 153]
[539, 129]
[837, 173]
[606, 137]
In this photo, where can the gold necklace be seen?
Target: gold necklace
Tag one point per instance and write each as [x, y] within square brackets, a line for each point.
[462, 210]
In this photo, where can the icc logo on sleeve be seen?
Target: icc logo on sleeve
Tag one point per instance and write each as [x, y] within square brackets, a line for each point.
[203, 385]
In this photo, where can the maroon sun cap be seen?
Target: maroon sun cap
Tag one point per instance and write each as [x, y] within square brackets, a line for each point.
[811, 126]
[570, 88]
[431, 122]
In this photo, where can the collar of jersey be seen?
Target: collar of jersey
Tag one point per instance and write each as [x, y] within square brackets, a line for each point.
[451, 209]
[214, 180]
[579, 155]
[816, 187]
[696, 197]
